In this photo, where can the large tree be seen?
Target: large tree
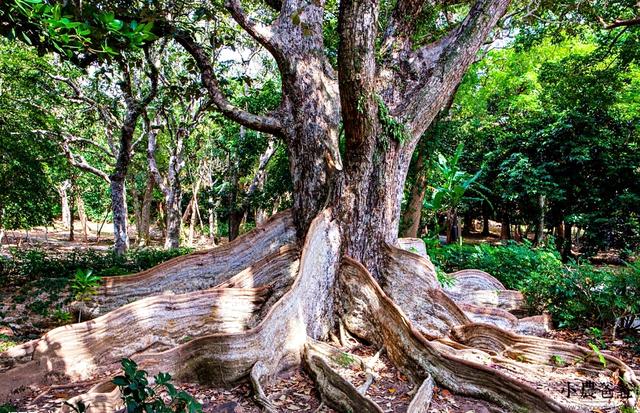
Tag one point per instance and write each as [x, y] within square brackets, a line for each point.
[261, 303]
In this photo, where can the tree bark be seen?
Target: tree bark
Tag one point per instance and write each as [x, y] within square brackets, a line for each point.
[539, 237]
[119, 209]
[145, 213]
[468, 224]
[505, 227]
[413, 212]
[64, 203]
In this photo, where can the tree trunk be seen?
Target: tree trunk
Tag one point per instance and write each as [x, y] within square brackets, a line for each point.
[468, 224]
[413, 212]
[539, 237]
[145, 213]
[173, 218]
[486, 229]
[567, 241]
[194, 211]
[83, 216]
[64, 203]
[119, 209]
[505, 230]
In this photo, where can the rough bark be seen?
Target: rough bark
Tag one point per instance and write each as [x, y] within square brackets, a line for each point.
[145, 213]
[413, 212]
[170, 186]
[64, 202]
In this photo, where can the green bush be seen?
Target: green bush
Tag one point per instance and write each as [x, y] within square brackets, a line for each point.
[576, 294]
[28, 264]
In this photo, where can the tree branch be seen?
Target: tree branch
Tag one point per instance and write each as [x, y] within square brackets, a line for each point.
[433, 72]
[261, 33]
[268, 124]
[79, 162]
[153, 166]
[621, 23]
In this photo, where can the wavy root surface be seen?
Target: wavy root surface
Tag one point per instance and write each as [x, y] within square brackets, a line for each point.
[272, 312]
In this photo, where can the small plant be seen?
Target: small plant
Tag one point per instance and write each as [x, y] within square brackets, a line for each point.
[5, 344]
[558, 360]
[445, 279]
[61, 316]
[345, 359]
[85, 285]
[8, 408]
[139, 397]
[78, 407]
[598, 353]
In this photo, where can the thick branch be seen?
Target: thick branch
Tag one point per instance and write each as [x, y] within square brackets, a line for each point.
[79, 162]
[622, 23]
[437, 69]
[268, 124]
[261, 33]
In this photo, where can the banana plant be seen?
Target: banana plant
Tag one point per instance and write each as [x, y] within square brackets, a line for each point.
[449, 189]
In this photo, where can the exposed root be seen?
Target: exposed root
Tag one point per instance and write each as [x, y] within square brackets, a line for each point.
[221, 357]
[368, 369]
[370, 314]
[336, 391]
[199, 270]
[422, 399]
[259, 371]
[103, 397]
[149, 326]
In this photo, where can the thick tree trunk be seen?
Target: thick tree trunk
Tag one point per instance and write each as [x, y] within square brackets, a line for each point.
[119, 209]
[173, 218]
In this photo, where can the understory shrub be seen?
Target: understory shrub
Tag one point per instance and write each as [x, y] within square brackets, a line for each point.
[576, 294]
[26, 264]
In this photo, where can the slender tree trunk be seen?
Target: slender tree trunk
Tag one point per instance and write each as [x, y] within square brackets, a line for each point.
[194, 210]
[145, 213]
[539, 238]
[64, 203]
[119, 209]
[83, 217]
[568, 241]
[413, 212]
[486, 229]
[173, 219]
[468, 224]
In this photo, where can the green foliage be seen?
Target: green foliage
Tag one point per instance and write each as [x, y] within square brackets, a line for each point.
[391, 128]
[345, 359]
[61, 316]
[28, 264]
[599, 354]
[78, 407]
[6, 343]
[8, 408]
[558, 360]
[84, 285]
[141, 397]
[576, 294]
